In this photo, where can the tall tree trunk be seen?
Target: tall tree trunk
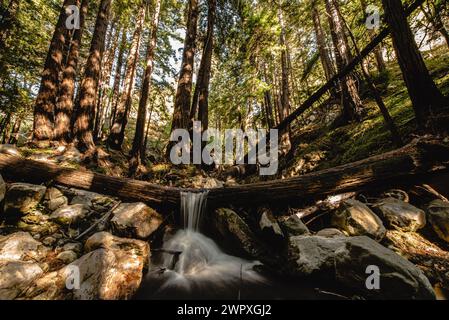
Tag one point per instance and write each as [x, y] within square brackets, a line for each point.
[184, 92]
[108, 61]
[7, 21]
[200, 104]
[115, 98]
[48, 91]
[64, 106]
[427, 100]
[285, 90]
[15, 131]
[325, 56]
[86, 109]
[117, 134]
[351, 102]
[138, 148]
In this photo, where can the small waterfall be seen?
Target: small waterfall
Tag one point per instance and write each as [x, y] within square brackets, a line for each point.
[199, 268]
[193, 206]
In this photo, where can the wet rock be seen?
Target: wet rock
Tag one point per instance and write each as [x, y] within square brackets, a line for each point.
[270, 227]
[399, 278]
[113, 271]
[16, 276]
[293, 226]
[330, 233]
[347, 259]
[72, 214]
[21, 246]
[67, 257]
[135, 220]
[55, 199]
[233, 228]
[21, 198]
[401, 215]
[357, 219]
[438, 216]
[10, 149]
[2, 188]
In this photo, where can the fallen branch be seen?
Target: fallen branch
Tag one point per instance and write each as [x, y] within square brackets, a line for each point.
[104, 218]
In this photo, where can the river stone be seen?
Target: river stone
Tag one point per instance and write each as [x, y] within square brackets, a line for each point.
[357, 219]
[438, 215]
[346, 260]
[16, 276]
[108, 241]
[21, 198]
[401, 215]
[330, 233]
[21, 246]
[270, 227]
[293, 226]
[399, 278]
[73, 246]
[10, 149]
[112, 271]
[72, 214]
[135, 220]
[55, 199]
[233, 228]
[2, 188]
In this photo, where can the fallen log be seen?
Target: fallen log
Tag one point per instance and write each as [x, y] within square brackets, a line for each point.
[405, 165]
[411, 163]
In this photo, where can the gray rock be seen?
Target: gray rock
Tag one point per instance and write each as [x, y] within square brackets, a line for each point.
[21, 246]
[270, 227]
[55, 199]
[21, 198]
[10, 149]
[401, 215]
[357, 219]
[16, 276]
[311, 255]
[2, 188]
[347, 259]
[111, 272]
[294, 226]
[438, 216]
[330, 233]
[233, 228]
[399, 278]
[135, 220]
[72, 214]
[67, 257]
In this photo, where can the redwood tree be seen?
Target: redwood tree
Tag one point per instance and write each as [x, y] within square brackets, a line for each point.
[427, 100]
[86, 109]
[48, 91]
[64, 107]
[117, 134]
[138, 149]
[184, 92]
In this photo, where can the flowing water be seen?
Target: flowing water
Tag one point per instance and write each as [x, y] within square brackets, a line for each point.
[193, 266]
